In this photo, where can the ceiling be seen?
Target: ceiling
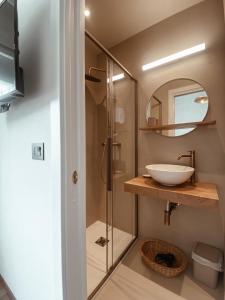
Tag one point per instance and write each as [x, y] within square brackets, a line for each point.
[113, 21]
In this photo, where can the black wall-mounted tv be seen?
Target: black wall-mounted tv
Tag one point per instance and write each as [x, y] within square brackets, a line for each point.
[11, 75]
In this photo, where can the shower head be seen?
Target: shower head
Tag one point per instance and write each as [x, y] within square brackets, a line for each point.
[89, 77]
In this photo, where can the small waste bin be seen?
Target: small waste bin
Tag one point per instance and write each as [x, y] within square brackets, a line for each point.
[207, 263]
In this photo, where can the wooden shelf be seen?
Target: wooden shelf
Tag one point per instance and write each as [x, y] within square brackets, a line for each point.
[198, 195]
[178, 126]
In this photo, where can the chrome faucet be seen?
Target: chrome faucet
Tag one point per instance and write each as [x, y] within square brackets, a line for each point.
[191, 155]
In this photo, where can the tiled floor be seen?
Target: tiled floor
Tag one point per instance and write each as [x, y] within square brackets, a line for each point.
[132, 280]
[96, 255]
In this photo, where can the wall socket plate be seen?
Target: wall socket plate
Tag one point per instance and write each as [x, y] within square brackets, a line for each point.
[38, 151]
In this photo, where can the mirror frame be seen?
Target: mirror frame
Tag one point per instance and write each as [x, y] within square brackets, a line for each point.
[180, 78]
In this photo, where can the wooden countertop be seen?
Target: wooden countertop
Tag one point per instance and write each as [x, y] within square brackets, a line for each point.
[200, 194]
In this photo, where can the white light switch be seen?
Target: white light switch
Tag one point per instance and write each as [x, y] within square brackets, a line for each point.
[38, 151]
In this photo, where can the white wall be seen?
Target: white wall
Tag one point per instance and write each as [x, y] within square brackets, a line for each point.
[30, 248]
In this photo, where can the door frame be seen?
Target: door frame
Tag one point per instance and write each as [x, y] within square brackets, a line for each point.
[73, 147]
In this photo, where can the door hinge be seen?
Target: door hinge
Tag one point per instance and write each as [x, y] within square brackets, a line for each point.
[75, 177]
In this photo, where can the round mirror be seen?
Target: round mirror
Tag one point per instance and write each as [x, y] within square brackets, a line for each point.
[175, 107]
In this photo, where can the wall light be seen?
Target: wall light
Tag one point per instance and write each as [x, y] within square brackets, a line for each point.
[173, 57]
[6, 88]
[8, 56]
[87, 12]
[201, 99]
[117, 77]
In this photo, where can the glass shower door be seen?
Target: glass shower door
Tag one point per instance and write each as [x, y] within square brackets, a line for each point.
[121, 225]
[110, 160]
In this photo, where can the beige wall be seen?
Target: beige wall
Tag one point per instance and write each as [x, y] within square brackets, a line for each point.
[201, 23]
[92, 199]
[92, 203]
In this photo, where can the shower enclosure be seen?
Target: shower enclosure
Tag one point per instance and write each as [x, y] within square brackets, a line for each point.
[111, 127]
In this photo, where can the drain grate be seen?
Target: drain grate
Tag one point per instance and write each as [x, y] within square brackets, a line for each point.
[102, 241]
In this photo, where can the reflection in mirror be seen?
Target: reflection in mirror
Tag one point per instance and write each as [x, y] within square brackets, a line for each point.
[176, 103]
[7, 75]
[7, 47]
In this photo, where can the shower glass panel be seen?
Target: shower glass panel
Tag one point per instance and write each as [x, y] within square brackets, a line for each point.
[123, 160]
[110, 161]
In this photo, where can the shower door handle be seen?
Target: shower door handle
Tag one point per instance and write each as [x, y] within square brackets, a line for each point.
[109, 164]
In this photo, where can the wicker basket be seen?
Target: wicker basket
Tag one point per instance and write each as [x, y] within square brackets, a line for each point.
[151, 248]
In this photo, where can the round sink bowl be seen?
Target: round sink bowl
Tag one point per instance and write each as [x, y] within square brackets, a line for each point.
[170, 175]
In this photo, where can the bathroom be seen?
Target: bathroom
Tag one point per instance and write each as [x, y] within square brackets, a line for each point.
[201, 74]
[111, 187]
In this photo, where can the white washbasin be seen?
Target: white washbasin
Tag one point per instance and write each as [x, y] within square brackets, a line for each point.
[170, 175]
